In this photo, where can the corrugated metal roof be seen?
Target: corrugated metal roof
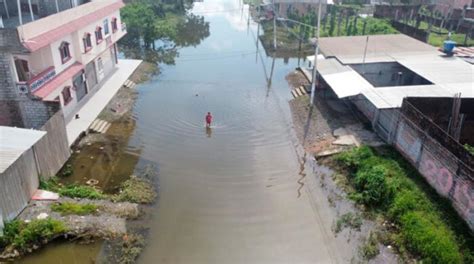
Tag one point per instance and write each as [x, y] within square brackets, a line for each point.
[449, 75]
[14, 142]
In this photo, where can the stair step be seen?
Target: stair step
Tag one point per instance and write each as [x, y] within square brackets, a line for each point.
[303, 91]
[299, 92]
[294, 94]
[101, 127]
[106, 128]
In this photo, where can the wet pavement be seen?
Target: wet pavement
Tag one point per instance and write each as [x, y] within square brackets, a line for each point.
[232, 193]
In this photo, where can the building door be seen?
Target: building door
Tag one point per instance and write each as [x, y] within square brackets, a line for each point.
[91, 76]
[80, 86]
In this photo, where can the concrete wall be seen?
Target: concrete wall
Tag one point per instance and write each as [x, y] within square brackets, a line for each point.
[17, 185]
[449, 176]
[52, 150]
[444, 163]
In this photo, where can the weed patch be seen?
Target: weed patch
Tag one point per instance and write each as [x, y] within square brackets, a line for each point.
[370, 247]
[350, 219]
[131, 248]
[22, 235]
[136, 190]
[71, 208]
[72, 190]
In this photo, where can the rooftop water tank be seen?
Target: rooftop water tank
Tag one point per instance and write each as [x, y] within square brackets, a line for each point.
[448, 46]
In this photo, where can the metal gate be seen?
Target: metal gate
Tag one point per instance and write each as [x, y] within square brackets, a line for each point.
[80, 86]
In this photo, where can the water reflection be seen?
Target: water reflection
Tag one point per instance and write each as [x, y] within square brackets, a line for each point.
[208, 132]
[157, 30]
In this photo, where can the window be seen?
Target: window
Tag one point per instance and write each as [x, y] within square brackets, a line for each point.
[22, 70]
[64, 51]
[114, 25]
[66, 92]
[87, 42]
[98, 35]
[106, 27]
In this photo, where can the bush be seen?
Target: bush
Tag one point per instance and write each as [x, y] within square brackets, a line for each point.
[21, 234]
[354, 157]
[407, 201]
[68, 208]
[371, 184]
[428, 236]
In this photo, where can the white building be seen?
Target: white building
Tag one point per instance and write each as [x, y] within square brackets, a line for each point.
[65, 62]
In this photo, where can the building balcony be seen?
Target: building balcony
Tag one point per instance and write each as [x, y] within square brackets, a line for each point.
[37, 81]
[17, 13]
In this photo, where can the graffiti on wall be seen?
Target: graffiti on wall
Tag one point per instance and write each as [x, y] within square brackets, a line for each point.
[407, 142]
[459, 190]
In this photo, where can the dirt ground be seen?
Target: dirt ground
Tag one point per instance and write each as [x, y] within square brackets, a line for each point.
[315, 126]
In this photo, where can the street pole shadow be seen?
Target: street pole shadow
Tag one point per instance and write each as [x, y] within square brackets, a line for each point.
[208, 131]
[307, 125]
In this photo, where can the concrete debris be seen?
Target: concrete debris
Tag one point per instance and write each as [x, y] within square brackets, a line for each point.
[42, 216]
[329, 152]
[340, 132]
[346, 140]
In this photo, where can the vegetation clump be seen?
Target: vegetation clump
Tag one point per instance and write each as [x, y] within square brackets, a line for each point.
[72, 190]
[381, 180]
[21, 235]
[136, 190]
[131, 248]
[71, 208]
[469, 148]
[369, 249]
[351, 220]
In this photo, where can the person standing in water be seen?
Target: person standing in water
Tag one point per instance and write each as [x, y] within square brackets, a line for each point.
[208, 119]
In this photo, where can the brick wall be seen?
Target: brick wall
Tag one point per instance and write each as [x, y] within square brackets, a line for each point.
[36, 113]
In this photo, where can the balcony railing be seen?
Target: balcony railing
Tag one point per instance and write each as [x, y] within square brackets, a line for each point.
[124, 27]
[37, 81]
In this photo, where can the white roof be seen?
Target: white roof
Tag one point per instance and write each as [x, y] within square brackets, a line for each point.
[449, 75]
[14, 142]
[343, 80]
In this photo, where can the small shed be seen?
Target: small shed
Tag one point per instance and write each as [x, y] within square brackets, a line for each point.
[19, 176]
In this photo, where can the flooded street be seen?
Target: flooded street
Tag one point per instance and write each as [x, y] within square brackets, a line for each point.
[228, 194]
[231, 193]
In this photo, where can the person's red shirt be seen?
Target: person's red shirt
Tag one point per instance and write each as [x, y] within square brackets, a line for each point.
[208, 118]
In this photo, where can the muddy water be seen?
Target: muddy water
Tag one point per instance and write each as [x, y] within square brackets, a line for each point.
[232, 193]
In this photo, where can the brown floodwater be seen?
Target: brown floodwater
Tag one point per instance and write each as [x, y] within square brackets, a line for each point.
[65, 253]
[233, 193]
[110, 160]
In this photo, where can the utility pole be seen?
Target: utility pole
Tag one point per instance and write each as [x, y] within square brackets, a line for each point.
[274, 27]
[315, 68]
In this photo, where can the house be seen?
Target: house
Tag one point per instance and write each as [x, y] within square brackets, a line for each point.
[62, 62]
[57, 57]
[415, 97]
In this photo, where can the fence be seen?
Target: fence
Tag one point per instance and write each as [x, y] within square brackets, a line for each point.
[52, 151]
[441, 160]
